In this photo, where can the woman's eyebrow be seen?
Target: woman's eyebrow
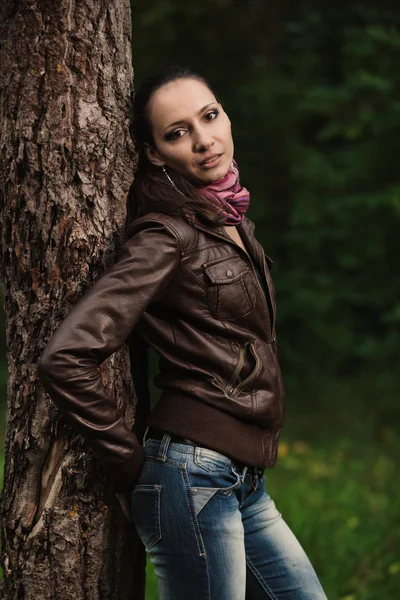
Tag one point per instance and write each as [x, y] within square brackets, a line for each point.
[182, 120]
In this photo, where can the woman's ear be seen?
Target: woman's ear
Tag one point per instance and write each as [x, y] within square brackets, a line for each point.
[153, 155]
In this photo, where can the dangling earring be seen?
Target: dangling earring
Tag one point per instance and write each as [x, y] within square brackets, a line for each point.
[170, 180]
[234, 169]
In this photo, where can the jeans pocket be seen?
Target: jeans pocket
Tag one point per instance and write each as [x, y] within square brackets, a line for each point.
[146, 513]
[210, 474]
[211, 461]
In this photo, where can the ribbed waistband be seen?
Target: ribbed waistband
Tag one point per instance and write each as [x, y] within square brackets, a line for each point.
[213, 428]
[158, 434]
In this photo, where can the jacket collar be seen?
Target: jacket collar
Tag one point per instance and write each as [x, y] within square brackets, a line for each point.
[246, 232]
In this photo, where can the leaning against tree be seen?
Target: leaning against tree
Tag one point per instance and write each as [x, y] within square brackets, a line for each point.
[195, 284]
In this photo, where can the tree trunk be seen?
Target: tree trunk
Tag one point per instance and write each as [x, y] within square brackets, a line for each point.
[66, 164]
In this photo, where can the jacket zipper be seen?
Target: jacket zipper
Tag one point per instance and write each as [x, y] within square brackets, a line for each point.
[273, 312]
[271, 322]
[237, 370]
[273, 339]
[253, 375]
[270, 311]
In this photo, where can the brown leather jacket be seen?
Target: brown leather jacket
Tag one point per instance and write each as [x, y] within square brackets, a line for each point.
[193, 294]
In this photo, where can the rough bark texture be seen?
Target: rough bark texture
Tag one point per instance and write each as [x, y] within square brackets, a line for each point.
[66, 163]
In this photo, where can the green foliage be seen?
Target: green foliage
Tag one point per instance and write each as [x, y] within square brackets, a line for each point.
[341, 504]
[312, 91]
[333, 210]
[315, 116]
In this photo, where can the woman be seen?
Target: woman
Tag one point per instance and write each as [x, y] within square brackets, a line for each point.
[193, 282]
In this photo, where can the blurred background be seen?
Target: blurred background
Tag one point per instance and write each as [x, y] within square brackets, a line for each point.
[312, 91]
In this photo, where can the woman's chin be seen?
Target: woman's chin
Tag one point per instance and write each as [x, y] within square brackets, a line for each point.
[215, 174]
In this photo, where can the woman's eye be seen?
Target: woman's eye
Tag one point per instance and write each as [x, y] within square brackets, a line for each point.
[213, 112]
[173, 136]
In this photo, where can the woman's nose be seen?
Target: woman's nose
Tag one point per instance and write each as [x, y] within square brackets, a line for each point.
[202, 140]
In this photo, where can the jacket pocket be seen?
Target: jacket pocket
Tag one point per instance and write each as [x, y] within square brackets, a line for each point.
[229, 288]
[146, 513]
[233, 387]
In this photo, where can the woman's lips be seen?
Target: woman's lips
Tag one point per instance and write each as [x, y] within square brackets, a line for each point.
[211, 163]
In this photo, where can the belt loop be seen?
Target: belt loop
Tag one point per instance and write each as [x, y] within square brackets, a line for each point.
[163, 449]
[242, 475]
[144, 436]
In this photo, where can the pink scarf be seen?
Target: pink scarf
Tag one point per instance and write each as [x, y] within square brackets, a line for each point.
[229, 194]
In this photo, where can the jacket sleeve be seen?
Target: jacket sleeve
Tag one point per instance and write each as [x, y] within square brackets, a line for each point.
[95, 328]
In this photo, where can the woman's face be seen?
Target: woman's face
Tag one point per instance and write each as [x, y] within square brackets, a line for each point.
[189, 126]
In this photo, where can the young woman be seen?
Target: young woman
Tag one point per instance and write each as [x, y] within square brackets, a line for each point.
[194, 283]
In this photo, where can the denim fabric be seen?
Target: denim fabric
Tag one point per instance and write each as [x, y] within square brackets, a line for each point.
[212, 531]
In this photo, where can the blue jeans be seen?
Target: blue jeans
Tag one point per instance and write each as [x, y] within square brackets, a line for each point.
[212, 531]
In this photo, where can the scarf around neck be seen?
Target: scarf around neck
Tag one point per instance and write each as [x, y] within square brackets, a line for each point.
[229, 194]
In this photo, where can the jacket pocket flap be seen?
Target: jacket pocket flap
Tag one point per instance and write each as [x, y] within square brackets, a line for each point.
[226, 271]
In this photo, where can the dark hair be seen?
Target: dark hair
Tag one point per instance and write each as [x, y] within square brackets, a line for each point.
[151, 190]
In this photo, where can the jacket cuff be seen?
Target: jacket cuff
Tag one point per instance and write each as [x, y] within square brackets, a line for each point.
[124, 479]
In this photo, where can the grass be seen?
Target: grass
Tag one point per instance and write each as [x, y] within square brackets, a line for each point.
[342, 502]
[337, 485]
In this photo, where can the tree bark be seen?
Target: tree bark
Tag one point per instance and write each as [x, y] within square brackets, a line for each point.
[66, 164]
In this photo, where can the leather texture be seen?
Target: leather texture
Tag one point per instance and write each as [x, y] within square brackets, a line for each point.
[192, 293]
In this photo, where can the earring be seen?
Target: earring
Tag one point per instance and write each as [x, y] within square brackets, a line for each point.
[234, 169]
[170, 180]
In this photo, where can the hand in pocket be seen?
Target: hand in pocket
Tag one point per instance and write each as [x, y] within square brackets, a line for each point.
[124, 502]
